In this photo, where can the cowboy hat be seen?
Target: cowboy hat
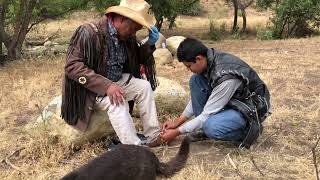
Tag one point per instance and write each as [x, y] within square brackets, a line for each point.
[136, 10]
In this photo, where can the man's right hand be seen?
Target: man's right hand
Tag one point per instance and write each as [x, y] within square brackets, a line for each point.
[172, 124]
[115, 94]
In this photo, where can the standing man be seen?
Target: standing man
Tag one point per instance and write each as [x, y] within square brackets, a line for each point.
[228, 98]
[102, 72]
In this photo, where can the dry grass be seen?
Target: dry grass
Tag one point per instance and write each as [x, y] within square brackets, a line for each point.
[289, 67]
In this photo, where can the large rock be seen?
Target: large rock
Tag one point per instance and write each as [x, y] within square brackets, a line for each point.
[50, 117]
[162, 56]
[173, 43]
[169, 96]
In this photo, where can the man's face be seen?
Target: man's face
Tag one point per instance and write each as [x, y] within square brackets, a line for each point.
[197, 67]
[128, 28]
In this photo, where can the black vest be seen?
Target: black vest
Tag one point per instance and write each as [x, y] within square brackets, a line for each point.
[252, 98]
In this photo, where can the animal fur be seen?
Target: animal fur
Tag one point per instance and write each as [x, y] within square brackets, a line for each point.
[130, 162]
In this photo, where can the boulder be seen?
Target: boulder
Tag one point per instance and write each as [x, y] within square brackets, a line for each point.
[173, 43]
[169, 96]
[55, 49]
[162, 56]
[50, 117]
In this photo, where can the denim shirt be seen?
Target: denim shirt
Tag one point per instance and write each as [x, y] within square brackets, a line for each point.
[117, 55]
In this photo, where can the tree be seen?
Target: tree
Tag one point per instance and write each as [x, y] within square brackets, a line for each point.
[242, 5]
[293, 18]
[296, 18]
[17, 17]
[169, 9]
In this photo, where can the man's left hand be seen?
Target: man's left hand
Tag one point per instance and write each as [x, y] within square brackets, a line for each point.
[153, 36]
[170, 134]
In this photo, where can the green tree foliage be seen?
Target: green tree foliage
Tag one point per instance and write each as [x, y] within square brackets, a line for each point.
[296, 18]
[293, 18]
[265, 4]
[101, 5]
[17, 17]
[169, 9]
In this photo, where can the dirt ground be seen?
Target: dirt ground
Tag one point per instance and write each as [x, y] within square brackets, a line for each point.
[290, 68]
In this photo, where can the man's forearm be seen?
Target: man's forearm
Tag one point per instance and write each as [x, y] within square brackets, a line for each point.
[181, 119]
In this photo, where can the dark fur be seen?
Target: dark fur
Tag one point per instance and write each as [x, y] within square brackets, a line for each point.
[130, 162]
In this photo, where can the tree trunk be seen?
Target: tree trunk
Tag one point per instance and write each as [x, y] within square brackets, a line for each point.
[14, 43]
[2, 18]
[235, 19]
[244, 23]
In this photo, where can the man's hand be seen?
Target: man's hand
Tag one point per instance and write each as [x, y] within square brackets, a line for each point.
[115, 94]
[173, 124]
[169, 125]
[169, 135]
[153, 36]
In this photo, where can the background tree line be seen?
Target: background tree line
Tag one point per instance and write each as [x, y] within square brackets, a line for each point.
[291, 18]
[18, 17]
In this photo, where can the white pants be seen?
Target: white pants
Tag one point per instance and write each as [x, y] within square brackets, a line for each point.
[140, 91]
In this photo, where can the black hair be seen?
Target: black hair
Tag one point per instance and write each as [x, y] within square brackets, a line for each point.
[189, 48]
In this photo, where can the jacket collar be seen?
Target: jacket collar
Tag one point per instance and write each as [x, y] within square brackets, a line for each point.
[211, 62]
[103, 25]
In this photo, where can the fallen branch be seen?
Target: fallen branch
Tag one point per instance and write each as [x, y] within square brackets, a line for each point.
[256, 166]
[315, 157]
[234, 166]
[7, 161]
[41, 43]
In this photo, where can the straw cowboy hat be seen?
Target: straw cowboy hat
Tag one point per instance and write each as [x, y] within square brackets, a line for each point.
[136, 10]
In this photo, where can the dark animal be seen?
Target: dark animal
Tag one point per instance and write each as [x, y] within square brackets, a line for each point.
[130, 162]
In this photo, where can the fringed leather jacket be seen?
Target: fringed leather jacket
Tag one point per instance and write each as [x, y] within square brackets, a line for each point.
[85, 70]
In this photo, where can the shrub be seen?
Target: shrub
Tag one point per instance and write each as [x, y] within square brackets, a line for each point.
[266, 34]
[295, 18]
[223, 27]
[214, 31]
[236, 34]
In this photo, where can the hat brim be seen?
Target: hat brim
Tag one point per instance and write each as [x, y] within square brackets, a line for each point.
[146, 21]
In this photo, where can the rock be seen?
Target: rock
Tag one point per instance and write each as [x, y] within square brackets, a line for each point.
[55, 49]
[170, 97]
[162, 56]
[57, 127]
[173, 43]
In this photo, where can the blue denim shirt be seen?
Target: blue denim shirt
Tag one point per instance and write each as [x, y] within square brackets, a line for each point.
[117, 55]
